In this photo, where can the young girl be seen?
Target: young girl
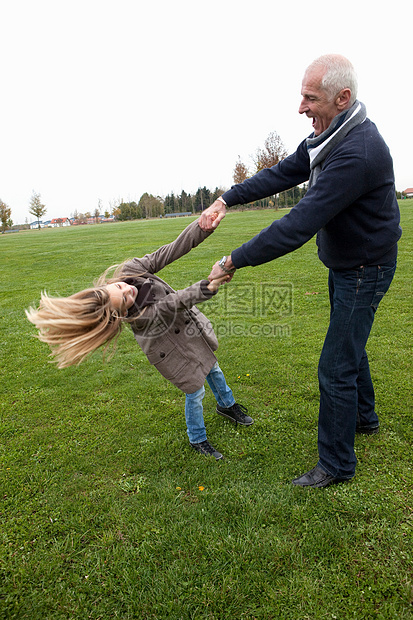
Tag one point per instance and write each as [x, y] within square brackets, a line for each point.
[175, 336]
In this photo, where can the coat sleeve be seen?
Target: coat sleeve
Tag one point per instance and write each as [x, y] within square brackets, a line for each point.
[173, 303]
[189, 238]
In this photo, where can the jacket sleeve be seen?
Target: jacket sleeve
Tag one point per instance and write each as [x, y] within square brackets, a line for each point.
[189, 238]
[321, 203]
[167, 308]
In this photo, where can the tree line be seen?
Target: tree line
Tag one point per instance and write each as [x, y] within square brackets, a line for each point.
[154, 206]
[270, 155]
[150, 206]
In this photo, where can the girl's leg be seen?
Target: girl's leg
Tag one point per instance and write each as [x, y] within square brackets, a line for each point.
[226, 405]
[194, 415]
[216, 381]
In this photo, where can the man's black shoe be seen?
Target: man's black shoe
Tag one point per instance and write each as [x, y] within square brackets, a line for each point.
[316, 478]
[236, 413]
[205, 448]
[367, 430]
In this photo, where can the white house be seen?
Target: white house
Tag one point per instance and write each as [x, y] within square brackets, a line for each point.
[59, 221]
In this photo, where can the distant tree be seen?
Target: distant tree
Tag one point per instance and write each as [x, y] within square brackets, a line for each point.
[273, 152]
[185, 202]
[171, 203]
[5, 215]
[116, 212]
[290, 197]
[202, 199]
[128, 211]
[80, 218]
[240, 172]
[96, 215]
[218, 191]
[150, 206]
[37, 208]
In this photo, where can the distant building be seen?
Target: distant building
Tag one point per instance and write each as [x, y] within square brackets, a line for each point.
[178, 214]
[408, 192]
[59, 221]
[37, 224]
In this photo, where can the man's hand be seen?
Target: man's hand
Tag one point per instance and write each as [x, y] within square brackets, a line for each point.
[217, 272]
[211, 217]
[216, 283]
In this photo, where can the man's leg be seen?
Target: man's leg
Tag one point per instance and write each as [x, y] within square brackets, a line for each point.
[343, 369]
[338, 371]
[367, 420]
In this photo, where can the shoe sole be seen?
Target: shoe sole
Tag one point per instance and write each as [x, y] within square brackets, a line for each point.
[368, 431]
[217, 458]
[225, 415]
[323, 484]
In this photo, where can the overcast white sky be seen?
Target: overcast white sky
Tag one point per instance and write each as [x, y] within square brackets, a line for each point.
[105, 100]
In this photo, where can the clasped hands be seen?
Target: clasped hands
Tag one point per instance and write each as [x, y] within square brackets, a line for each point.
[209, 220]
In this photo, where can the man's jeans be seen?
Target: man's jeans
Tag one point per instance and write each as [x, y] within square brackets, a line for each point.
[346, 388]
[193, 403]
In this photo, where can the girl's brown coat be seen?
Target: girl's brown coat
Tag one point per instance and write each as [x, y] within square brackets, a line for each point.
[175, 336]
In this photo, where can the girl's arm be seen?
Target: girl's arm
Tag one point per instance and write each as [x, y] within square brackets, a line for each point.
[189, 238]
[178, 301]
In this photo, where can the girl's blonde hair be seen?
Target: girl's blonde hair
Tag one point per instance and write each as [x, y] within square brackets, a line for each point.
[75, 326]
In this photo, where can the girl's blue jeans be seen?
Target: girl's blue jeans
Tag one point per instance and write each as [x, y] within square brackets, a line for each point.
[193, 403]
[346, 388]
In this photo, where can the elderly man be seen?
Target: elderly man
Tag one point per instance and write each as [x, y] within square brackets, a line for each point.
[351, 205]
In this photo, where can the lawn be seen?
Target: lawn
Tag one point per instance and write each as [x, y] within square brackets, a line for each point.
[106, 512]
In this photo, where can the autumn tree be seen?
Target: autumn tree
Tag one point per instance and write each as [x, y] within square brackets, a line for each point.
[240, 172]
[36, 207]
[273, 152]
[5, 215]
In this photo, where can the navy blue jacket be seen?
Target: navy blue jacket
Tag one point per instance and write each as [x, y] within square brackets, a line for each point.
[352, 206]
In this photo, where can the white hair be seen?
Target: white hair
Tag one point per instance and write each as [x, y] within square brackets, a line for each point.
[339, 73]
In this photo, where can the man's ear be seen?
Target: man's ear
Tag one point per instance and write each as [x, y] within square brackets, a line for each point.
[343, 99]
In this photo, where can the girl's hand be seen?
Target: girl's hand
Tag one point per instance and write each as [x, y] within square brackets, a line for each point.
[215, 284]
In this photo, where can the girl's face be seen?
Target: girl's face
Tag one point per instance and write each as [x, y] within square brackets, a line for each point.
[122, 296]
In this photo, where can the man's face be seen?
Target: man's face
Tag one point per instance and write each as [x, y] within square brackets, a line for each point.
[315, 102]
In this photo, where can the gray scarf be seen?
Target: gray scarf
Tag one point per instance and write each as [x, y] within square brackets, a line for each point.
[319, 147]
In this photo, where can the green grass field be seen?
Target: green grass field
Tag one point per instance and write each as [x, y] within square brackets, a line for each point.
[106, 512]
